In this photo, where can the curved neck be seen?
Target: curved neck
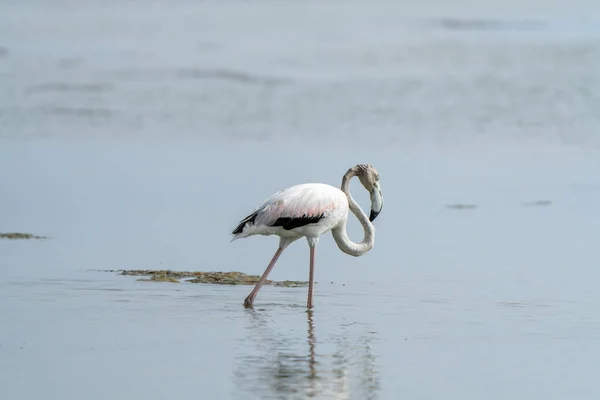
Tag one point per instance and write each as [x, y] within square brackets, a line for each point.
[339, 232]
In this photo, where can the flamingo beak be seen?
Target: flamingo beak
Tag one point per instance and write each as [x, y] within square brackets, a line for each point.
[376, 202]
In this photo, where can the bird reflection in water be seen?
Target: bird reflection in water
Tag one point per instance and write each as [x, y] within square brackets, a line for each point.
[286, 364]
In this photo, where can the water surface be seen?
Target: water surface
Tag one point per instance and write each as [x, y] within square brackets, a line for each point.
[137, 135]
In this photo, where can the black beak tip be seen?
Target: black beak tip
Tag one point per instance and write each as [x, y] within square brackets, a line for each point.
[373, 215]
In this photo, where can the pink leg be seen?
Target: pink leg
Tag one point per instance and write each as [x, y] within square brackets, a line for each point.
[311, 278]
[250, 299]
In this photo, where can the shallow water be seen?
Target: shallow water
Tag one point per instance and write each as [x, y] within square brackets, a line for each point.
[137, 136]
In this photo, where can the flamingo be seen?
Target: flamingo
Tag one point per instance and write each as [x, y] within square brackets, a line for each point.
[309, 210]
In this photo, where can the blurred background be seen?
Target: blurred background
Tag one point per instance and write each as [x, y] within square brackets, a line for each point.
[136, 134]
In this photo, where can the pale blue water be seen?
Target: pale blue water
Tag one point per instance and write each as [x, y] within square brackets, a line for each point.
[137, 136]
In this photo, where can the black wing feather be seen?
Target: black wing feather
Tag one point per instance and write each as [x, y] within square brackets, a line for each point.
[250, 218]
[288, 223]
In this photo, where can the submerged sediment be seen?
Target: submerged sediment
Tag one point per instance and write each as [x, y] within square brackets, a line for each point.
[20, 236]
[215, 277]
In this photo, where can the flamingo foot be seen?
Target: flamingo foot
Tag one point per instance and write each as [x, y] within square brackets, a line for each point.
[249, 302]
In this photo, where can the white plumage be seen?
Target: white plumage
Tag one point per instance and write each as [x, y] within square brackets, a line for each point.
[324, 204]
[309, 210]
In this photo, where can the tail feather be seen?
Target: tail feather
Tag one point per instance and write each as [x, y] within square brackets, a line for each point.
[242, 225]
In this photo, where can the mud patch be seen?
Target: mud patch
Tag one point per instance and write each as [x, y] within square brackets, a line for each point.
[20, 236]
[538, 203]
[219, 278]
[160, 278]
[462, 206]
